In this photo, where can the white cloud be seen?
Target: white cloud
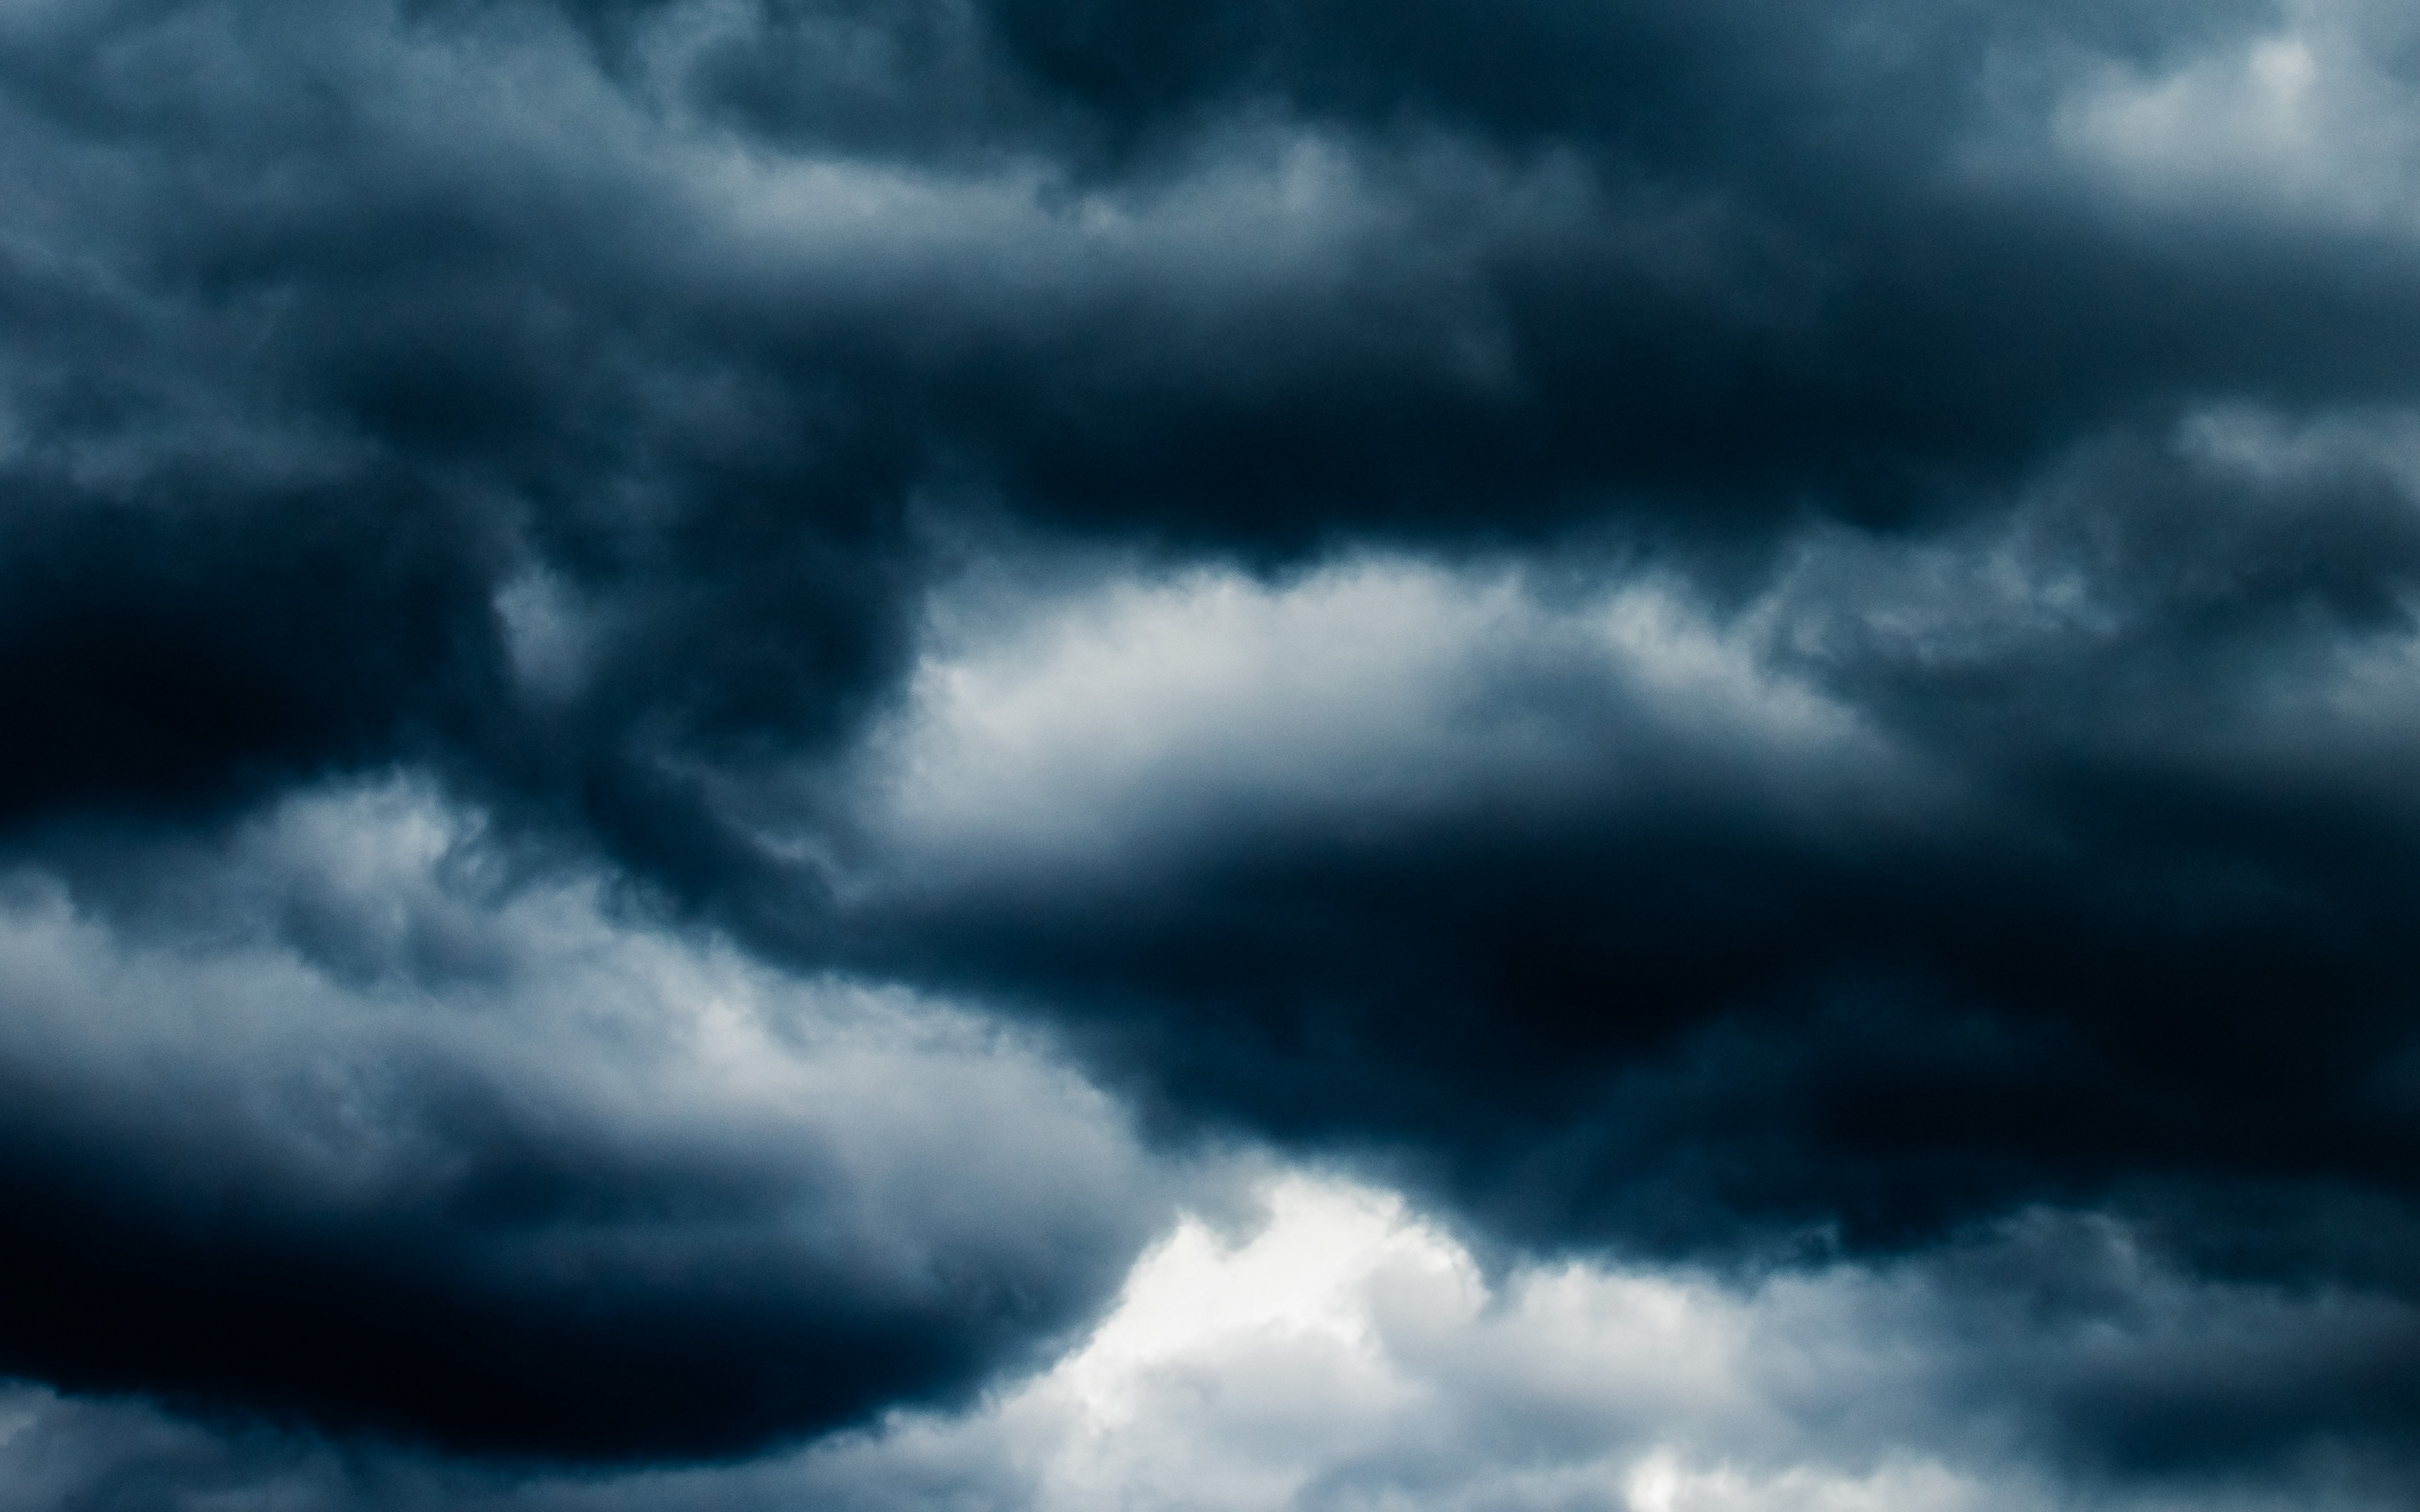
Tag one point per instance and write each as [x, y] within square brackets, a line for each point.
[1144, 709]
[1140, 720]
[1351, 1355]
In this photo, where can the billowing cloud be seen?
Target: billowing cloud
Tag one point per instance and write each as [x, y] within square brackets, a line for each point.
[704, 692]
[349, 1125]
[1649, 910]
[1337, 1351]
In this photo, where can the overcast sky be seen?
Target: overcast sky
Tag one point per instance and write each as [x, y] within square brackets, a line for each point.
[1057, 756]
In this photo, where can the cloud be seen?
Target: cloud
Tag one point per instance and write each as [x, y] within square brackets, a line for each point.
[362, 1133]
[1343, 1351]
[369, 323]
[1637, 909]
[2304, 123]
[1377, 688]
[673, 656]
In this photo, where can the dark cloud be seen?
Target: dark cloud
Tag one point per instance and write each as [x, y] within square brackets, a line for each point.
[1705, 626]
[2019, 863]
[1343, 1351]
[378, 1143]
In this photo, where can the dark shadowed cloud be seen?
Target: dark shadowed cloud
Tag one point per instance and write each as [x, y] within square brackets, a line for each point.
[672, 662]
[1338, 1352]
[345, 1126]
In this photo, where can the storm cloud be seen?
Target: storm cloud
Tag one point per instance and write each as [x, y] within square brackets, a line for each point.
[357, 1141]
[1325, 1348]
[709, 696]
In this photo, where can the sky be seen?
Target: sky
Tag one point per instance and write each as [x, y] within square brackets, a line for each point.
[1218, 756]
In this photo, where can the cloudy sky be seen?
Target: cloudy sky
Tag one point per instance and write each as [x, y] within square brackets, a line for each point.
[1210, 755]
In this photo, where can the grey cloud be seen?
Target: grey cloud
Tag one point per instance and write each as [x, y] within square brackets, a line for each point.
[1711, 627]
[1675, 900]
[492, 1167]
[1344, 1354]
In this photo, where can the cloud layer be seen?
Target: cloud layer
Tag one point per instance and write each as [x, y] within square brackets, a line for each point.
[1333, 1350]
[709, 694]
